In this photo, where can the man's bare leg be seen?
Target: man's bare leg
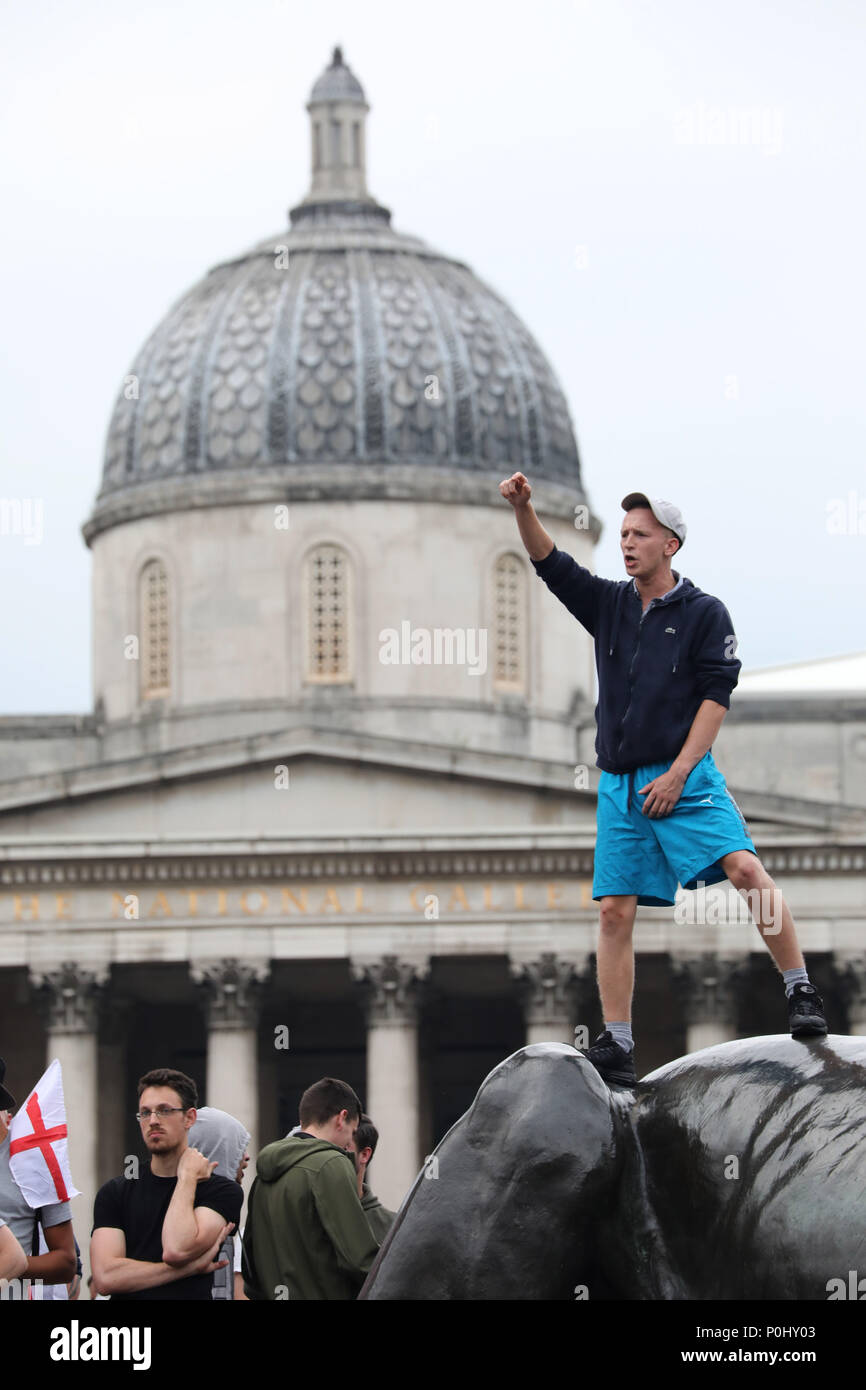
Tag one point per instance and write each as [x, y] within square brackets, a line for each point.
[772, 917]
[770, 912]
[615, 955]
[612, 1054]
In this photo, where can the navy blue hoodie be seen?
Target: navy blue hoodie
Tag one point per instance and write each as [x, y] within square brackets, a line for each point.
[654, 668]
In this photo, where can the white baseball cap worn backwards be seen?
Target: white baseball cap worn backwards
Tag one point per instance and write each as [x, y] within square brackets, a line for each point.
[664, 512]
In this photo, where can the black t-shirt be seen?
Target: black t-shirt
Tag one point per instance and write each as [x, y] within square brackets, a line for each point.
[137, 1206]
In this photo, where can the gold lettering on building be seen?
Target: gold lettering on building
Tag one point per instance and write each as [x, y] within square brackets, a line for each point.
[425, 889]
[161, 906]
[458, 895]
[254, 911]
[472, 898]
[289, 896]
[489, 905]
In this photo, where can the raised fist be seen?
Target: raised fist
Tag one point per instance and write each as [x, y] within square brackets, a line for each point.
[516, 490]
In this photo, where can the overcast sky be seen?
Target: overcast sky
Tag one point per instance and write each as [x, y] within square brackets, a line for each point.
[670, 194]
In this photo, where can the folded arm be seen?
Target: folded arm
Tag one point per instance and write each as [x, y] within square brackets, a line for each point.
[188, 1231]
[113, 1273]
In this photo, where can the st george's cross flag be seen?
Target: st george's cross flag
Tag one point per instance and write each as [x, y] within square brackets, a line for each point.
[38, 1156]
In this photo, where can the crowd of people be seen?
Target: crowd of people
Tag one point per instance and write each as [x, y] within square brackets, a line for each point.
[169, 1228]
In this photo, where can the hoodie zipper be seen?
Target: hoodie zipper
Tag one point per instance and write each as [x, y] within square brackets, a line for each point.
[632, 664]
[631, 674]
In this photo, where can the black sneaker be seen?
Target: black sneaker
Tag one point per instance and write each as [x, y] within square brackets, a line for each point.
[806, 1011]
[611, 1061]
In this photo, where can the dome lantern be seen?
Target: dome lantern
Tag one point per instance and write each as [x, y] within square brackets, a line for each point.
[338, 114]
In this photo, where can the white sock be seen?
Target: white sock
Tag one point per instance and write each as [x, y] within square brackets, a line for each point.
[797, 976]
[621, 1033]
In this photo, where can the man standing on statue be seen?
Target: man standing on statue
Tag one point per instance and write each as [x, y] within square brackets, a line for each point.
[666, 659]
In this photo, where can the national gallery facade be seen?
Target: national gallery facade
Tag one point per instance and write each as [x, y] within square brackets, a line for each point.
[270, 854]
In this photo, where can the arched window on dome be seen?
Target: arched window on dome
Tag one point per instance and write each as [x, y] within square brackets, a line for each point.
[153, 608]
[317, 145]
[328, 607]
[509, 624]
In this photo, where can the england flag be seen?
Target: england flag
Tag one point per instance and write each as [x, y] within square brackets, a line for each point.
[38, 1154]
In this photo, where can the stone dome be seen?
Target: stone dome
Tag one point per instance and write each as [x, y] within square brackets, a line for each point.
[337, 358]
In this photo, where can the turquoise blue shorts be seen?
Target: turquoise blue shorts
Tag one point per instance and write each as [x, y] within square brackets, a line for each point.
[649, 855]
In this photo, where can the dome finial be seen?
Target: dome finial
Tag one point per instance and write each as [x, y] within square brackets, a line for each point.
[337, 58]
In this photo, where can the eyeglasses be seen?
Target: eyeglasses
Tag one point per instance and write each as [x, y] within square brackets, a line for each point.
[162, 1112]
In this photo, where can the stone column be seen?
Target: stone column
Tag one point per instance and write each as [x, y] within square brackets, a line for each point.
[851, 973]
[115, 1103]
[706, 987]
[550, 987]
[231, 990]
[390, 989]
[71, 993]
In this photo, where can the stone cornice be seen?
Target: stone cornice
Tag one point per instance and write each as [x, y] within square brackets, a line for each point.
[179, 764]
[792, 708]
[507, 853]
[271, 865]
[830, 816]
[327, 480]
[844, 708]
[221, 755]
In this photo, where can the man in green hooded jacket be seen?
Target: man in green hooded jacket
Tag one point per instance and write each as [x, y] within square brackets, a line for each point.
[306, 1235]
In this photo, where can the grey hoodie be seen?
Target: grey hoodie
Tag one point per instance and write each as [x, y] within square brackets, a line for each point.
[223, 1140]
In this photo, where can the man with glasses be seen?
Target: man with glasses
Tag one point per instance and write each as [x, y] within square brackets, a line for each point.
[157, 1231]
